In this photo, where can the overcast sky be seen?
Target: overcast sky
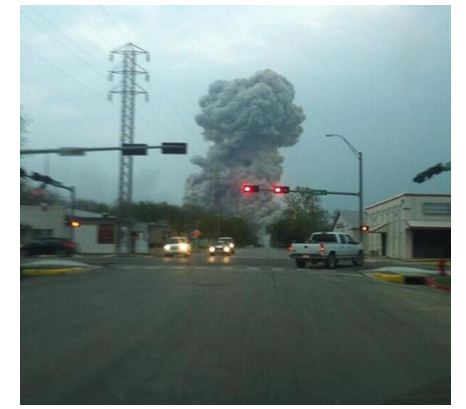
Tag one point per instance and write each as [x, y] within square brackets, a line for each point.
[380, 76]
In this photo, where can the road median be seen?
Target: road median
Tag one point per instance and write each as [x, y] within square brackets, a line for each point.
[411, 276]
[53, 267]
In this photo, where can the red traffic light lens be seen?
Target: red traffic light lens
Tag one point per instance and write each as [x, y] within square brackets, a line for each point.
[281, 189]
[250, 188]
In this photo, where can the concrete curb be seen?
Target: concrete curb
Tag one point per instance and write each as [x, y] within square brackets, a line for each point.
[50, 271]
[409, 279]
[432, 284]
[390, 277]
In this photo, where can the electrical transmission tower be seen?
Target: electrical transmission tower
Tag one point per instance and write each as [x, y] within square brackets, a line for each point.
[128, 88]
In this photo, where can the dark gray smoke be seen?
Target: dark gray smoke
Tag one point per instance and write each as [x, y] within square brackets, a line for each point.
[247, 120]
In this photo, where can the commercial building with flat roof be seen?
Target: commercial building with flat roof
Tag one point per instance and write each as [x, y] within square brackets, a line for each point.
[410, 225]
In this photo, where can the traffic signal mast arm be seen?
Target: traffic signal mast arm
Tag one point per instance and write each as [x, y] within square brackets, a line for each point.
[128, 149]
[249, 188]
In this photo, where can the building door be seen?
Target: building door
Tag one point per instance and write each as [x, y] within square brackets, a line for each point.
[431, 243]
[384, 243]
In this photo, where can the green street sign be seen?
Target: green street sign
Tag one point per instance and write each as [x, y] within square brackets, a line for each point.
[318, 192]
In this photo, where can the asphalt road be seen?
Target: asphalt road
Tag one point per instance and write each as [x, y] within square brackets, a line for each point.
[251, 330]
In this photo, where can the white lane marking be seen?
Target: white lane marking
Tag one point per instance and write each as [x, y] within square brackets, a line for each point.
[252, 268]
[277, 269]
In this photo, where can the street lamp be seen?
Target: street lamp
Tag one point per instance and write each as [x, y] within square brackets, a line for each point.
[359, 156]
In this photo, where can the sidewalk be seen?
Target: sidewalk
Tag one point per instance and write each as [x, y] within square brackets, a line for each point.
[421, 261]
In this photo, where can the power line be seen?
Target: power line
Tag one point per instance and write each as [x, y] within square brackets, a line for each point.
[112, 20]
[61, 71]
[63, 44]
[68, 38]
[88, 21]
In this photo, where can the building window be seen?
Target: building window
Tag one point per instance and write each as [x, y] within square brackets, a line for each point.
[436, 209]
[106, 234]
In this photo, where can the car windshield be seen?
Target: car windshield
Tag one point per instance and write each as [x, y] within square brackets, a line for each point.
[231, 204]
[176, 241]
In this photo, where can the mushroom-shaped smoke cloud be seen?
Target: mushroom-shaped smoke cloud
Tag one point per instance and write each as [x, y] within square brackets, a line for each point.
[247, 120]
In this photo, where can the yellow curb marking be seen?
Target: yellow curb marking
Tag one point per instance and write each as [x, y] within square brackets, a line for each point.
[49, 271]
[392, 278]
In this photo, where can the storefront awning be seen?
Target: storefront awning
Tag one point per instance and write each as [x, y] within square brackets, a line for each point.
[431, 225]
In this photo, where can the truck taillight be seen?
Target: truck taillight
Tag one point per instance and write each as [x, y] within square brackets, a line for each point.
[321, 248]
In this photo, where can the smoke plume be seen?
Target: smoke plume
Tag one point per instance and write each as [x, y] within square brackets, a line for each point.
[247, 120]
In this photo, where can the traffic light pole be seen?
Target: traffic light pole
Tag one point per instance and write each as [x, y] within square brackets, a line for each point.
[358, 155]
[361, 209]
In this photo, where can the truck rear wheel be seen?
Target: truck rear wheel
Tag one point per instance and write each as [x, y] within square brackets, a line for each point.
[331, 261]
[300, 263]
[359, 260]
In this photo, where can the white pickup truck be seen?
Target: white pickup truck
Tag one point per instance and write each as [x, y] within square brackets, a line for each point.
[328, 248]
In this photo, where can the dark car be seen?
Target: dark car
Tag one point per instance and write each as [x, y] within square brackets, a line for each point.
[49, 245]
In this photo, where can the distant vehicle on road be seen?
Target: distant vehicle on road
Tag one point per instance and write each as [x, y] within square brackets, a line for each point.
[229, 241]
[328, 248]
[177, 246]
[221, 247]
[50, 245]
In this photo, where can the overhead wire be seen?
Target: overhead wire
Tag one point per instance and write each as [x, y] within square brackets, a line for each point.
[78, 47]
[62, 71]
[76, 11]
[61, 43]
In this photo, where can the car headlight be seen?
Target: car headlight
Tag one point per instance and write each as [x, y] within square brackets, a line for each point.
[232, 245]
[226, 249]
[166, 247]
[183, 247]
[212, 249]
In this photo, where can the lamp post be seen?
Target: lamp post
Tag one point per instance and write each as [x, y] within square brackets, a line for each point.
[358, 155]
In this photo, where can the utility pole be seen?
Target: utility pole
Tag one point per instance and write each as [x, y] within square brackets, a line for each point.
[128, 89]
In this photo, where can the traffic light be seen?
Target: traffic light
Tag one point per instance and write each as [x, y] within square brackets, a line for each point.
[428, 173]
[44, 179]
[37, 176]
[174, 148]
[281, 189]
[250, 188]
[364, 228]
[74, 223]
